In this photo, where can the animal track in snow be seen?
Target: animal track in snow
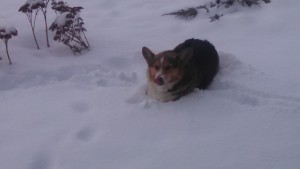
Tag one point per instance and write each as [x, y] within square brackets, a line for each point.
[232, 82]
[115, 79]
[80, 107]
[243, 94]
[81, 75]
[41, 161]
[85, 134]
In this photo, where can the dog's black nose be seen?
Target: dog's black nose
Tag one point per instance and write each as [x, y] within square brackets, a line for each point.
[159, 81]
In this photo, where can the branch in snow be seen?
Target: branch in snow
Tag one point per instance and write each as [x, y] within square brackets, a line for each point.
[216, 5]
[31, 8]
[31, 5]
[186, 14]
[7, 33]
[60, 6]
[68, 27]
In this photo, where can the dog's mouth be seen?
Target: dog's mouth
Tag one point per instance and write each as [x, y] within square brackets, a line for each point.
[159, 81]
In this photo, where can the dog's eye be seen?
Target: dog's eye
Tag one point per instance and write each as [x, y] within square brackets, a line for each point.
[156, 67]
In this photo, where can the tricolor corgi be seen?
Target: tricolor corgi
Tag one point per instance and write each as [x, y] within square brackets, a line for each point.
[175, 73]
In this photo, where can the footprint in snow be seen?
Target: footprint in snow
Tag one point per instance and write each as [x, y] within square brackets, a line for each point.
[80, 107]
[85, 134]
[40, 161]
[110, 79]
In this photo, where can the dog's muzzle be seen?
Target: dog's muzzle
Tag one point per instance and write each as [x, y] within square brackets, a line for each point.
[159, 81]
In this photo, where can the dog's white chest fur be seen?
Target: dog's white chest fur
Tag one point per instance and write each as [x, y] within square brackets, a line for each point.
[160, 93]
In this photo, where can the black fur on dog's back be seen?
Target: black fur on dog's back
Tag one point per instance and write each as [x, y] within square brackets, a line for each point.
[201, 68]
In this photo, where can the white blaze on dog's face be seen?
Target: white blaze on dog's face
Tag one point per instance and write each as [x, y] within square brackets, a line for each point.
[165, 69]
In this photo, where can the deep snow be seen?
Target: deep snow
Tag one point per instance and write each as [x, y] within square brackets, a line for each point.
[60, 111]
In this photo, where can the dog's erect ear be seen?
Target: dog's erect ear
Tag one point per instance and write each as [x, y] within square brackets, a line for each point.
[148, 55]
[186, 55]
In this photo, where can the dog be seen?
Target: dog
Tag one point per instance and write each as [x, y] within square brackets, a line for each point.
[175, 73]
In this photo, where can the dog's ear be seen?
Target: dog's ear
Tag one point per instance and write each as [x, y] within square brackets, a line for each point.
[185, 55]
[148, 55]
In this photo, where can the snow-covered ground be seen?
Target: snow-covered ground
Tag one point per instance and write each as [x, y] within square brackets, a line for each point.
[60, 111]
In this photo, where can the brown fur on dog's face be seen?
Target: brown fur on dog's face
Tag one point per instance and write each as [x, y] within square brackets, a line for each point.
[166, 68]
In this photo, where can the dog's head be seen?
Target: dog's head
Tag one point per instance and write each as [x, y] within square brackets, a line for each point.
[166, 68]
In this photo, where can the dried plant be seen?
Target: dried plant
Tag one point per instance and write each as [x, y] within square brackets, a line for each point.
[186, 14]
[191, 13]
[68, 27]
[7, 33]
[31, 8]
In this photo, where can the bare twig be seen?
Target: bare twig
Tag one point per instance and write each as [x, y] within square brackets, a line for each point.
[192, 12]
[7, 33]
[6, 47]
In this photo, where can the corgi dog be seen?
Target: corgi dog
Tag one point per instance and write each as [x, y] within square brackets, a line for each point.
[175, 73]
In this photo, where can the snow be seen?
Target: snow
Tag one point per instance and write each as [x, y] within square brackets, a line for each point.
[90, 111]
[6, 28]
[33, 3]
[61, 19]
